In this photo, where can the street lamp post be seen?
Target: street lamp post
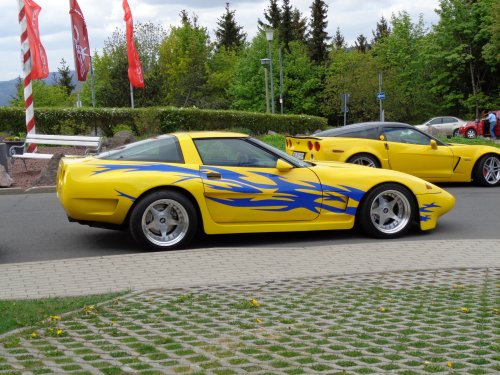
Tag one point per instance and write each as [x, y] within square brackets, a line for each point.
[265, 62]
[269, 37]
[281, 82]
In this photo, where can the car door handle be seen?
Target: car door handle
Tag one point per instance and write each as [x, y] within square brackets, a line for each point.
[213, 175]
[386, 146]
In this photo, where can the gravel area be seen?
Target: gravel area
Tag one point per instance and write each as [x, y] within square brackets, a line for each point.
[25, 175]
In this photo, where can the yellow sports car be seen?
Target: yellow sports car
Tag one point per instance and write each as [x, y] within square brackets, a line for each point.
[165, 188]
[403, 148]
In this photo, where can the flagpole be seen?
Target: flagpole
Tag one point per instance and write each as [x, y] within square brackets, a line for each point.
[131, 95]
[27, 66]
[92, 81]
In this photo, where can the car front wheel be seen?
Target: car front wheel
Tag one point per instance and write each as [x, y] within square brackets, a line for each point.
[163, 220]
[487, 171]
[387, 211]
[364, 159]
[470, 133]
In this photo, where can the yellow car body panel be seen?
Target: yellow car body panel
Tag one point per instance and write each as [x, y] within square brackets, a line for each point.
[324, 196]
[444, 163]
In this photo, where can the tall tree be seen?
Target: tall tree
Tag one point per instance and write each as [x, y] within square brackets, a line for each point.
[318, 37]
[361, 43]
[338, 40]
[65, 78]
[229, 34]
[272, 17]
[299, 26]
[382, 31]
[183, 62]
[286, 32]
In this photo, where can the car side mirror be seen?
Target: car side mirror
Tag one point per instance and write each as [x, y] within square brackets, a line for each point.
[433, 144]
[283, 166]
[382, 138]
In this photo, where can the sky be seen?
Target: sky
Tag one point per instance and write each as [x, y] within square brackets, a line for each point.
[353, 17]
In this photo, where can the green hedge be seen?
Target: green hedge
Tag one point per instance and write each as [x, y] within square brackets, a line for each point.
[149, 121]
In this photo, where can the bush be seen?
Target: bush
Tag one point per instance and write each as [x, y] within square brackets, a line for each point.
[150, 121]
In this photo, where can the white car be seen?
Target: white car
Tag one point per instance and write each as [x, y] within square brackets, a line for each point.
[444, 125]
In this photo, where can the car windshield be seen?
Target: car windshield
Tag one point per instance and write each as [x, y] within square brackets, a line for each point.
[160, 149]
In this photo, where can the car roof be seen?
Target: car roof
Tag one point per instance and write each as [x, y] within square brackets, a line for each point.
[361, 126]
[210, 134]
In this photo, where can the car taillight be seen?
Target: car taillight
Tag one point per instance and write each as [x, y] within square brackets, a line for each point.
[317, 146]
[309, 145]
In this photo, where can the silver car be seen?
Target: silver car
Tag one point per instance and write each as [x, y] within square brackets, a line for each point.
[444, 125]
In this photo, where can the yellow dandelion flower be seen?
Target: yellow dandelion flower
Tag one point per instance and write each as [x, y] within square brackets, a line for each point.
[55, 317]
[255, 303]
[258, 320]
[449, 364]
[34, 335]
[454, 286]
[426, 363]
[496, 311]
[59, 332]
[382, 309]
[465, 309]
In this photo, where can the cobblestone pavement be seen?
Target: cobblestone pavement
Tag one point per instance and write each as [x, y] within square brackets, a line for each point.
[200, 267]
[436, 321]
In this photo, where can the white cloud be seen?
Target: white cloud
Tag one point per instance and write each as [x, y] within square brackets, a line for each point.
[354, 17]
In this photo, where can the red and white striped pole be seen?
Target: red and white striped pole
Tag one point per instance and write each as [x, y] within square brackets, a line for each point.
[26, 62]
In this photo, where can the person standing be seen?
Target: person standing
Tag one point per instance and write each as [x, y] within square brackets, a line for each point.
[492, 119]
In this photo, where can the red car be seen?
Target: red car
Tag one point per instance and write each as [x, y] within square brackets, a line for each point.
[479, 127]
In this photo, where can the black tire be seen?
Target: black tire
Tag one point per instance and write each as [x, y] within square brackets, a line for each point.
[487, 171]
[456, 133]
[387, 211]
[470, 134]
[149, 221]
[365, 159]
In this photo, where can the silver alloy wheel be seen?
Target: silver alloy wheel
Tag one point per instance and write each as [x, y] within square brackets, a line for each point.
[471, 133]
[491, 170]
[165, 222]
[364, 160]
[390, 211]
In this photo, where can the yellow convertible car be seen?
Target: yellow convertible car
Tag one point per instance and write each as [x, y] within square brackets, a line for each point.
[165, 189]
[400, 147]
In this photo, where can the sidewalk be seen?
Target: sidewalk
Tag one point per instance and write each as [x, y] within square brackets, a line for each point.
[200, 267]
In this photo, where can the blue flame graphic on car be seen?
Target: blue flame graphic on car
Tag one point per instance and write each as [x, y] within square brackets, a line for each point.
[284, 195]
[426, 208]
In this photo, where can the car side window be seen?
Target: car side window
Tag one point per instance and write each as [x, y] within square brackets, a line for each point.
[165, 149]
[406, 135]
[370, 133]
[435, 121]
[233, 152]
[448, 120]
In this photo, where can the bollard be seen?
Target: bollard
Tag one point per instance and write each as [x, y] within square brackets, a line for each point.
[3, 155]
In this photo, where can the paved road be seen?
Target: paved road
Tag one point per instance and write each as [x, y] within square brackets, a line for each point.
[33, 227]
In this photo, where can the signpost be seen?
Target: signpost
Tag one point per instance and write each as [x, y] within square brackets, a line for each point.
[343, 107]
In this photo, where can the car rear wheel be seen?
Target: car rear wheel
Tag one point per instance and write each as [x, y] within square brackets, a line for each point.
[470, 133]
[364, 159]
[387, 211]
[487, 171]
[163, 220]
[456, 133]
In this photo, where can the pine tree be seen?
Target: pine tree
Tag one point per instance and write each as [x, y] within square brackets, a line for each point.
[229, 34]
[272, 17]
[318, 37]
[286, 33]
[383, 30]
[65, 78]
[299, 26]
[338, 40]
[361, 43]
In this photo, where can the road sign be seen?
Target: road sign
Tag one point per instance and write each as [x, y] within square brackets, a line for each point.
[381, 95]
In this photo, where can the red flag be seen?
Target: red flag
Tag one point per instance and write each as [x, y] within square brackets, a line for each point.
[81, 48]
[39, 63]
[134, 64]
